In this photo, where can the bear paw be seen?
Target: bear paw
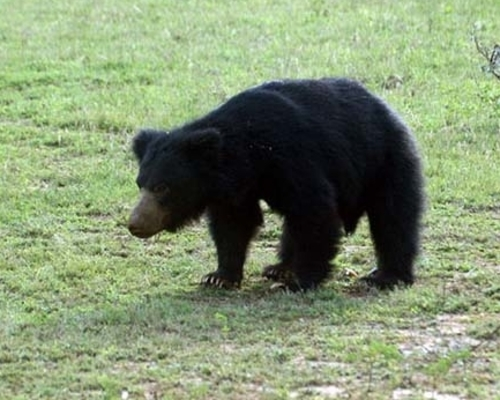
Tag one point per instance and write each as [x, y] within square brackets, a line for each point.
[384, 281]
[277, 273]
[214, 279]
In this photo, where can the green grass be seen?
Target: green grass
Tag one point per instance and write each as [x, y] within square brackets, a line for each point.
[87, 311]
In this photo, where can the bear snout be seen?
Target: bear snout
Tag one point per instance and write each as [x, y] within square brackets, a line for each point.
[137, 230]
[147, 217]
[138, 227]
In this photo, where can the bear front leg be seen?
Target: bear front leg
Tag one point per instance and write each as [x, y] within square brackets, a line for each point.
[231, 228]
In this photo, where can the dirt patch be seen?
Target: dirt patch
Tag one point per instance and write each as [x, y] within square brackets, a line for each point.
[447, 333]
[329, 392]
[406, 394]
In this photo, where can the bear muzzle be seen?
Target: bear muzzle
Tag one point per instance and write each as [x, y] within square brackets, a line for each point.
[148, 217]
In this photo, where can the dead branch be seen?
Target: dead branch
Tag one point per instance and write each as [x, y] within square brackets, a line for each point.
[493, 57]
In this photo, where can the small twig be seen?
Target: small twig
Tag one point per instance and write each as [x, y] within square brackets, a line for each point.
[495, 61]
[492, 58]
[481, 49]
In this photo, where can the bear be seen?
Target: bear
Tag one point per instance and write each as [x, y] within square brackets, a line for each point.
[321, 153]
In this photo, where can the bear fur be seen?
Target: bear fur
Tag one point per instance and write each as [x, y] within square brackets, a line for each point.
[321, 153]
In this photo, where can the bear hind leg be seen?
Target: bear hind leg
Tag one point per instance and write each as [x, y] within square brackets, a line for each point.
[394, 218]
[316, 238]
[282, 271]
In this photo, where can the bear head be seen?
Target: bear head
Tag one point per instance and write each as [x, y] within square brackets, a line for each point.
[176, 172]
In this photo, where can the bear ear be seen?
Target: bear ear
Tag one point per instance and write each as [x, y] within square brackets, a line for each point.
[142, 140]
[203, 142]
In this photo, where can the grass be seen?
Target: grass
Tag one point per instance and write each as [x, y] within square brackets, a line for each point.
[87, 311]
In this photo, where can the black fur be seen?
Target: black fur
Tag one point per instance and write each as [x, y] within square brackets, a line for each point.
[321, 153]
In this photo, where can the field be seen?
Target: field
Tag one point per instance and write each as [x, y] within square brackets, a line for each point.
[89, 312]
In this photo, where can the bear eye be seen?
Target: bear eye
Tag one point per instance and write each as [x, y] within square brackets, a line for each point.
[160, 188]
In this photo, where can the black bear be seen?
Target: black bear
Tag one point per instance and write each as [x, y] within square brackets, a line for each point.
[321, 153]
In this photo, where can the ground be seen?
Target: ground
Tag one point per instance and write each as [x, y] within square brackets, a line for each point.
[87, 311]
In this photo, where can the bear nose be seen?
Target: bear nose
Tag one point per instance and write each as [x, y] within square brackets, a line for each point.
[138, 231]
[133, 227]
[136, 226]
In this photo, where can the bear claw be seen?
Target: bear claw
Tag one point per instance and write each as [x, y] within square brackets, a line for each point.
[277, 273]
[214, 280]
